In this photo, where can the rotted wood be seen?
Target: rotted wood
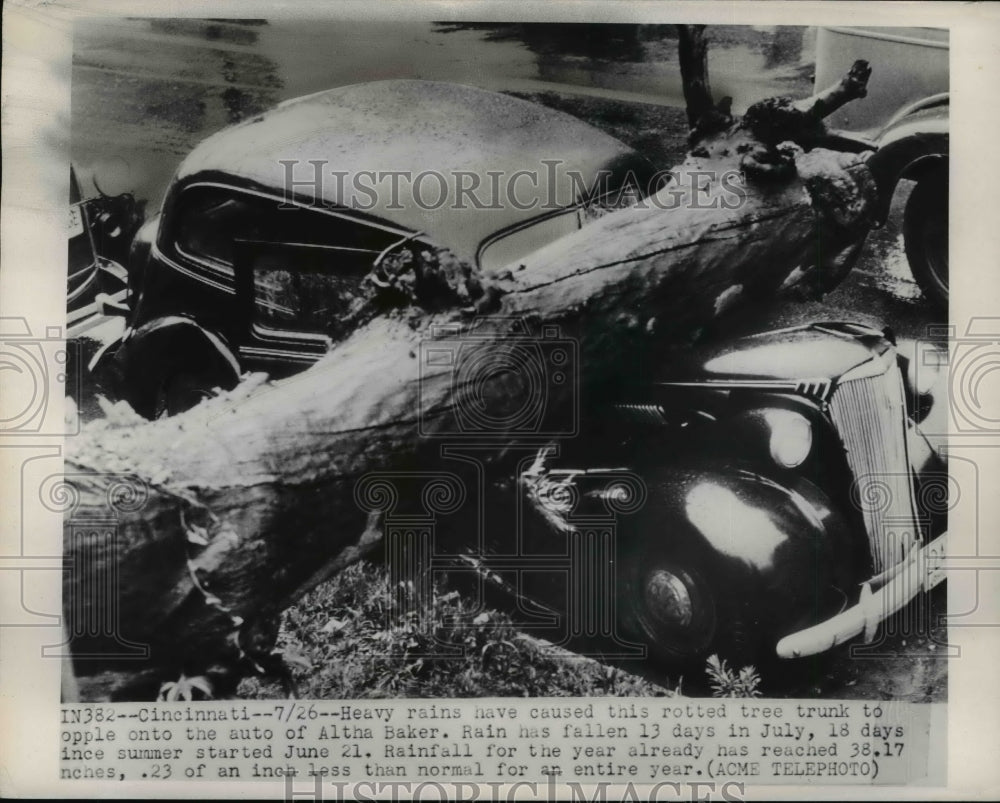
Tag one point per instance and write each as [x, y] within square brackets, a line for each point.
[240, 505]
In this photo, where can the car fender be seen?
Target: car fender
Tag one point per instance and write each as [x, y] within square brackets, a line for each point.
[780, 552]
[750, 518]
[783, 550]
[104, 356]
[165, 345]
[914, 143]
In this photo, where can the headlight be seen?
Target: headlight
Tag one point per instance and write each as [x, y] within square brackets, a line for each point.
[791, 437]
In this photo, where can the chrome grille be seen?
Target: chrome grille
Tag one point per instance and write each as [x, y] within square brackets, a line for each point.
[869, 410]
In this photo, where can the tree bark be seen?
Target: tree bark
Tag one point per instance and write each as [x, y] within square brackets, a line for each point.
[692, 53]
[218, 519]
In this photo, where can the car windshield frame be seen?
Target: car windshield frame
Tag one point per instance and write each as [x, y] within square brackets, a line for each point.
[176, 246]
[582, 211]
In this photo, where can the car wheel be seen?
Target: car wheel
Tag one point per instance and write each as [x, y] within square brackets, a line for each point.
[684, 609]
[925, 234]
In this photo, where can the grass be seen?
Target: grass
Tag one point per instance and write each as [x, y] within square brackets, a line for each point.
[351, 638]
[727, 682]
[358, 637]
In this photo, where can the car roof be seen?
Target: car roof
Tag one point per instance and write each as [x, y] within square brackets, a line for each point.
[418, 126]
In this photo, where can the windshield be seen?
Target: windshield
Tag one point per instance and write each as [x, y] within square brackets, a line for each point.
[212, 219]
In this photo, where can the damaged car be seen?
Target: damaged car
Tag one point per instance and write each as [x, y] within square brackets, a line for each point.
[789, 501]
[270, 225]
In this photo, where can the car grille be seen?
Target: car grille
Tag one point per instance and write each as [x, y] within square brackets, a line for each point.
[868, 409]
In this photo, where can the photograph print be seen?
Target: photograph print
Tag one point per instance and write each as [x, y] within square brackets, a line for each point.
[449, 359]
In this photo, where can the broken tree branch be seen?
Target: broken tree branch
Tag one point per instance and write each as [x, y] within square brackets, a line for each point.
[852, 86]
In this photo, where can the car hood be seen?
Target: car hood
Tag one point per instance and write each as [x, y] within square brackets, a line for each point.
[417, 127]
[824, 350]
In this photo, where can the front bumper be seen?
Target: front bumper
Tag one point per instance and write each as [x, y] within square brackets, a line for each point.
[880, 597]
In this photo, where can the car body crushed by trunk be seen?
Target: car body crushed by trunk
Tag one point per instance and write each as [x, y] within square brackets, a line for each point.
[486, 176]
[791, 502]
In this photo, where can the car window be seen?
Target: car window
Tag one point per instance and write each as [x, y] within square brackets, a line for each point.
[211, 219]
[517, 244]
[301, 288]
[514, 244]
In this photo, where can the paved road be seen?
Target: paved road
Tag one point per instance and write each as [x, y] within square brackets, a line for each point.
[146, 91]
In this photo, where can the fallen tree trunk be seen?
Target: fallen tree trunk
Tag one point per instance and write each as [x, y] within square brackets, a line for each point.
[219, 518]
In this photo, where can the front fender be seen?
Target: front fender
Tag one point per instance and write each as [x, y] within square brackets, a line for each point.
[749, 519]
[911, 145]
[163, 347]
[785, 551]
[105, 355]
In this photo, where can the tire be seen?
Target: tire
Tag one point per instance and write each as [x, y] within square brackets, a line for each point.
[925, 234]
[685, 606]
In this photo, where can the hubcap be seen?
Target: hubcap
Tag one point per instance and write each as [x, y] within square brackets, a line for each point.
[668, 599]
